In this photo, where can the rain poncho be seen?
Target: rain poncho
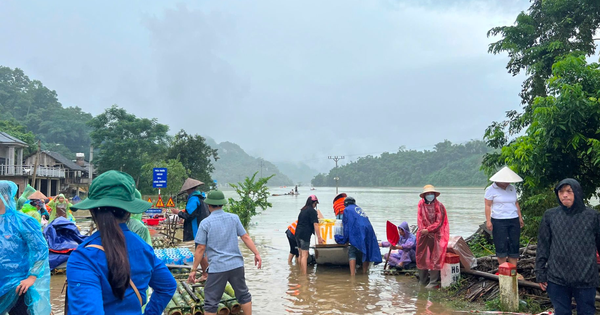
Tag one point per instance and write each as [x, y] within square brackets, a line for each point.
[23, 198]
[408, 242]
[60, 208]
[23, 253]
[431, 248]
[63, 237]
[359, 232]
[32, 211]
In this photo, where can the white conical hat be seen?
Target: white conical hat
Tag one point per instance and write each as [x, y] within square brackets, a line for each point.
[506, 175]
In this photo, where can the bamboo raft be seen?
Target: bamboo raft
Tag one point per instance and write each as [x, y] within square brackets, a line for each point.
[189, 299]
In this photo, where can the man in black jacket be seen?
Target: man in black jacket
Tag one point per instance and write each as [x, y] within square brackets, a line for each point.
[569, 236]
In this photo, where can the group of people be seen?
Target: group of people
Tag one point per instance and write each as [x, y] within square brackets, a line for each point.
[568, 240]
[112, 270]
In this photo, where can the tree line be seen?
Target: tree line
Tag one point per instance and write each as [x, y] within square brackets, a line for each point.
[122, 141]
[447, 164]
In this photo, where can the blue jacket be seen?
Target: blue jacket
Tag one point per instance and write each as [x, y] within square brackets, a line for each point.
[359, 232]
[89, 289]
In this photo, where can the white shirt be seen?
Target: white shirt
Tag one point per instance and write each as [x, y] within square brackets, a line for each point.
[504, 201]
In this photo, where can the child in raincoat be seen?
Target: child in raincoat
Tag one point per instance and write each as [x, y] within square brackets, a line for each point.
[404, 256]
[24, 270]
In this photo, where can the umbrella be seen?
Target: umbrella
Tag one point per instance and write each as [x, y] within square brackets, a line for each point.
[393, 237]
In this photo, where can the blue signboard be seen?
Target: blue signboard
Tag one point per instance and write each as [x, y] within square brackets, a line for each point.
[154, 211]
[159, 180]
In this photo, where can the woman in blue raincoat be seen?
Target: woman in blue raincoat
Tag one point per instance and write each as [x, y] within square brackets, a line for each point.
[24, 270]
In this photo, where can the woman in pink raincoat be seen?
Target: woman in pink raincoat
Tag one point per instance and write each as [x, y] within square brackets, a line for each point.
[432, 237]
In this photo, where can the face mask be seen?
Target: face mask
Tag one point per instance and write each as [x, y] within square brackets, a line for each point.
[429, 197]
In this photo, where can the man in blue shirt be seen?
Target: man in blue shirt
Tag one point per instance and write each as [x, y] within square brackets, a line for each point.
[217, 235]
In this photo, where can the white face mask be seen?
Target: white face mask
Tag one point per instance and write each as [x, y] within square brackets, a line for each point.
[429, 197]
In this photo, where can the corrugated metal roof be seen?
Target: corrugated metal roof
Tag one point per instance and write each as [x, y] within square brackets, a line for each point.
[62, 159]
[10, 140]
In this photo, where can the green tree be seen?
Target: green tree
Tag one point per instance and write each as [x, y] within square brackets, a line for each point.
[126, 142]
[176, 175]
[37, 108]
[195, 155]
[253, 194]
[447, 164]
[548, 31]
[563, 139]
[17, 130]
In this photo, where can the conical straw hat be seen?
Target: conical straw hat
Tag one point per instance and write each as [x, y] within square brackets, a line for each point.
[190, 183]
[427, 189]
[37, 195]
[506, 175]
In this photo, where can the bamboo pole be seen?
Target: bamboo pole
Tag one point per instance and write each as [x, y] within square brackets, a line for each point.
[172, 309]
[189, 290]
[222, 309]
[233, 305]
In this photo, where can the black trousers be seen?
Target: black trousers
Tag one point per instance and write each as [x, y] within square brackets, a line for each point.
[20, 308]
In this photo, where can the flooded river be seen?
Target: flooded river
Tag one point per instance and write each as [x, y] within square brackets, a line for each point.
[331, 290]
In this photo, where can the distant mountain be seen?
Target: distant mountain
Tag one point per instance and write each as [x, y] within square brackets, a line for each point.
[300, 173]
[234, 164]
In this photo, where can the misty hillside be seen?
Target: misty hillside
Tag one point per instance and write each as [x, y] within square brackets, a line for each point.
[446, 165]
[300, 173]
[234, 164]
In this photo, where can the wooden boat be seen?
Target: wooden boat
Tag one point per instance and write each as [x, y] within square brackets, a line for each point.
[331, 254]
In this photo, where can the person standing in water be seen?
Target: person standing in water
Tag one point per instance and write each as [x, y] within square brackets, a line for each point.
[432, 237]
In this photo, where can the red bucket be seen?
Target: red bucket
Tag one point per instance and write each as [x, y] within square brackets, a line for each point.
[152, 221]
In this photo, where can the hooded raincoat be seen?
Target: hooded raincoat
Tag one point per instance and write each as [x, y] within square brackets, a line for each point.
[23, 253]
[408, 242]
[431, 247]
[567, 243]
[359, 232]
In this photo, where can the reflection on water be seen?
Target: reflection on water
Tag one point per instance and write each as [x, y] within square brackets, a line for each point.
[279, 288]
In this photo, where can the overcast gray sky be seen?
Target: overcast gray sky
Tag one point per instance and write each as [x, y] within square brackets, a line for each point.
[286, 80]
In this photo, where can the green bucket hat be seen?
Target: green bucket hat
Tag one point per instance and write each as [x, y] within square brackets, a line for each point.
[113, 189]
[215, 198]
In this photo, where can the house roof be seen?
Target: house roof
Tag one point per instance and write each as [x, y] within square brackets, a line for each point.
[7, 139]
[62, 159]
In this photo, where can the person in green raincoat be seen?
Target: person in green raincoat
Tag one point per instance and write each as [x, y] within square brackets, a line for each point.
[60, 207]
[136, 225]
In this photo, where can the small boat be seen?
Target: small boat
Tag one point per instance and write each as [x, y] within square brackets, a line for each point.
[288, 194]
[331, 254]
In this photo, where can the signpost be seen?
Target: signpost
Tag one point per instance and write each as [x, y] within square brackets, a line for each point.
[159, 180]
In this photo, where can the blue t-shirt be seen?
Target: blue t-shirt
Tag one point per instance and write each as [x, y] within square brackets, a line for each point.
[219, 232]
[91, 293]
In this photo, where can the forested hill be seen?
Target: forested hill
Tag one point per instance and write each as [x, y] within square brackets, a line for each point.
[234, 164]
[446, 165]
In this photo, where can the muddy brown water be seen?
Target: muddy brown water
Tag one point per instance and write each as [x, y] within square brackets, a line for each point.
[329, 289]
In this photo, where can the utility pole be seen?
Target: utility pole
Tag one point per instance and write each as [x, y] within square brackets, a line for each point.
[35, 166]
[336, 178]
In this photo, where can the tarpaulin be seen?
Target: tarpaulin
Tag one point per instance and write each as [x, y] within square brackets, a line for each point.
[63, 237]
[359, 232]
